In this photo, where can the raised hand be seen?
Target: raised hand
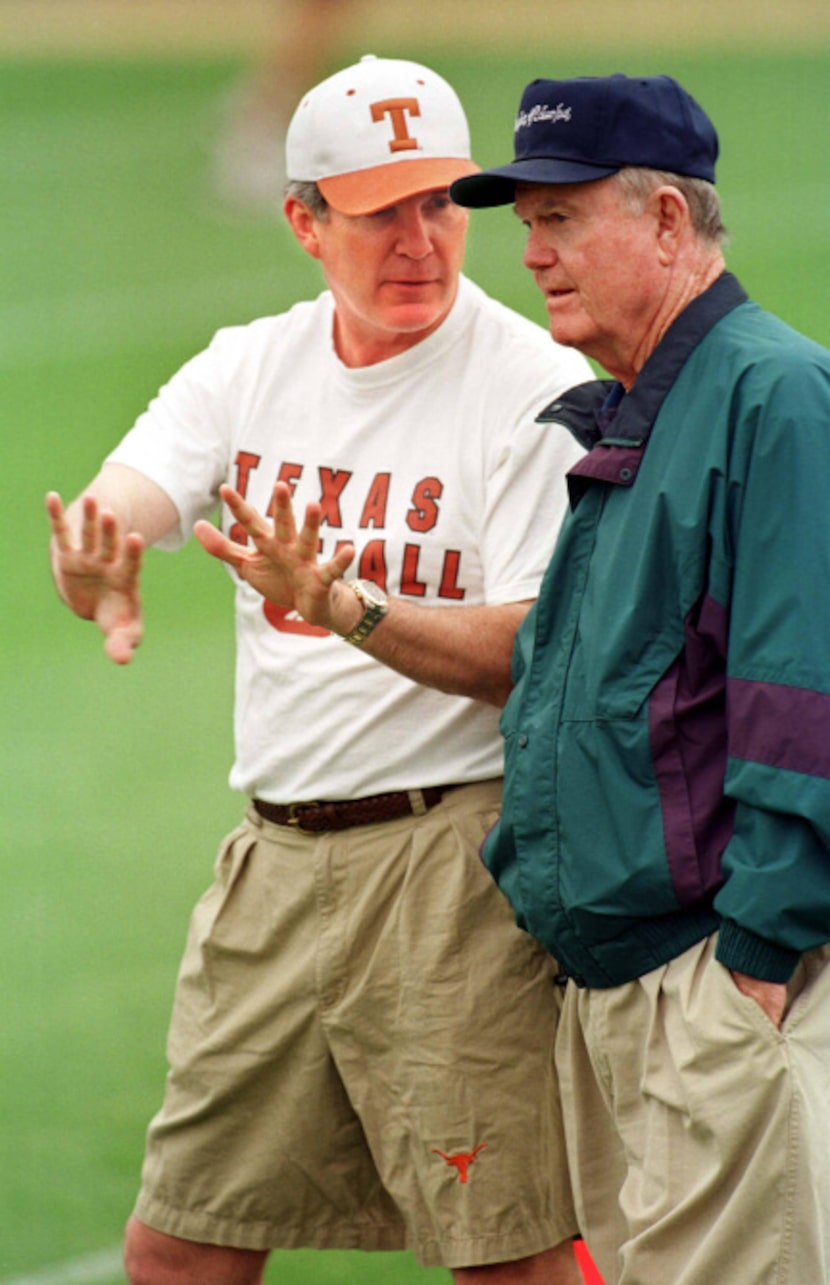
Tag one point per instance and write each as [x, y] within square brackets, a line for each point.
[281, 563]
[98, 575]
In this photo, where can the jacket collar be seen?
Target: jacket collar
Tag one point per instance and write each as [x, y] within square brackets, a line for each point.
[615, 449]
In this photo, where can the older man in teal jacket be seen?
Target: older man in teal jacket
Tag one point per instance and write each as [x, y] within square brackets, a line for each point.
[666, 825]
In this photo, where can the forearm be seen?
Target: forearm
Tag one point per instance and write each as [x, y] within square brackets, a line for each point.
[464, 651]
[137, 503]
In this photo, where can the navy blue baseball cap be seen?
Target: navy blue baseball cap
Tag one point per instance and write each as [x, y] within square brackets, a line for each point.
[573, 131]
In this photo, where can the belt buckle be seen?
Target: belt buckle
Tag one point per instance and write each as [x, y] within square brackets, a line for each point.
[295, 820]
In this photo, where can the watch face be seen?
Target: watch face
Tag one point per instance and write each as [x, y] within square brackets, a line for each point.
[375, 605]
[371, 593]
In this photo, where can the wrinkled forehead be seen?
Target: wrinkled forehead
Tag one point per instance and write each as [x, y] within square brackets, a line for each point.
[534, 199]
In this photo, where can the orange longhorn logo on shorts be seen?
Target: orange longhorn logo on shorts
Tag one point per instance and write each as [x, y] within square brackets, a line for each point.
[462, 1160]
[397, 109]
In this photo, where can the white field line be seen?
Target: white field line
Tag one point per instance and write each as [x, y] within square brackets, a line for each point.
[92, 1269]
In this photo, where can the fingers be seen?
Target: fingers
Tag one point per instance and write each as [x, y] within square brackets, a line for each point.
[133, 553]
[108, 541]
[328, 574]
[100, 531]
[102, 538]
[285, 528]
[218, 545]
[122, 640]
[57, 521]
[343, 558]
[89, 524]
[308, 540]
[337, 567]
[251, 521]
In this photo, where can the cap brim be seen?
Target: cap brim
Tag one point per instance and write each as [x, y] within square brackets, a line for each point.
[365, 191]
[498, 186]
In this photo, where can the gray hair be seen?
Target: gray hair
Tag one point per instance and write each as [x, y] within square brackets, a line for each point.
[309, 193]
[637, 183]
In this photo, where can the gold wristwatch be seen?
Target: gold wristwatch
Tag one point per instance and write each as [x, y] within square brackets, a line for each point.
[375, 606]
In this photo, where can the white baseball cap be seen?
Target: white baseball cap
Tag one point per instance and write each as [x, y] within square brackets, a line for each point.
[378, 132]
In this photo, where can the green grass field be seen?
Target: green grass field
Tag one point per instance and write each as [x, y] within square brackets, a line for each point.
[116, 264]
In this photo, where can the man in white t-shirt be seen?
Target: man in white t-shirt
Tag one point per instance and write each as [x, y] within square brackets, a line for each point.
[361, 1044]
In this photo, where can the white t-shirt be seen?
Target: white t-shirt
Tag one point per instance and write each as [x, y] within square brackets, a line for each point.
[429, 462]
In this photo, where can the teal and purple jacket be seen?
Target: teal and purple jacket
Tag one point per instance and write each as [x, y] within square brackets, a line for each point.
[668, 735]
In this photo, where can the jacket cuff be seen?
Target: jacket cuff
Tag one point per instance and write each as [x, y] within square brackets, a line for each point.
[743, 952]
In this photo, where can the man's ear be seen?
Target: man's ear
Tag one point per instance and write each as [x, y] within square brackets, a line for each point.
[303, 224]
[673, 219]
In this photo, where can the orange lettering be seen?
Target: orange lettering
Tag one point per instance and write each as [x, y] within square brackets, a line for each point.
[372, 563]
[450, 587]
[374, 510]
[332, 482]
[396, 109]
[424, 514]
[410, 584]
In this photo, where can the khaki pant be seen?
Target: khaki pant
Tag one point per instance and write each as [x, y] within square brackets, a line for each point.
[361, 1051]
[699, 1133]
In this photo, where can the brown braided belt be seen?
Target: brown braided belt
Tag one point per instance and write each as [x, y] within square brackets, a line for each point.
[342, 814]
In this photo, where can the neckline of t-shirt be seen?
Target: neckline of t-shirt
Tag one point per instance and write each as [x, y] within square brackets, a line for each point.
[404, 364]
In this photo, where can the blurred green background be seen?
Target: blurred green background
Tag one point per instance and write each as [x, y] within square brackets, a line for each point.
[117, 262]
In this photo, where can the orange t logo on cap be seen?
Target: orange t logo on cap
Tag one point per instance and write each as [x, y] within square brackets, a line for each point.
[396, 109]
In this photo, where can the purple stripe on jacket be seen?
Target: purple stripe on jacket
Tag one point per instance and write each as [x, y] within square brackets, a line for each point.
[780, 726]
[687, 727]
[616, 464]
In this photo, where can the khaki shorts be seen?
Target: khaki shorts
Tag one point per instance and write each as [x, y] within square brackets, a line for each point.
[361, 1051]
[700, 1131]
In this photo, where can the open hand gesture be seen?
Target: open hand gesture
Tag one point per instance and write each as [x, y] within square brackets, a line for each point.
[98, 576]
[281, 563]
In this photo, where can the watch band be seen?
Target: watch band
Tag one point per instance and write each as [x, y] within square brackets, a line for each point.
[375, 605]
